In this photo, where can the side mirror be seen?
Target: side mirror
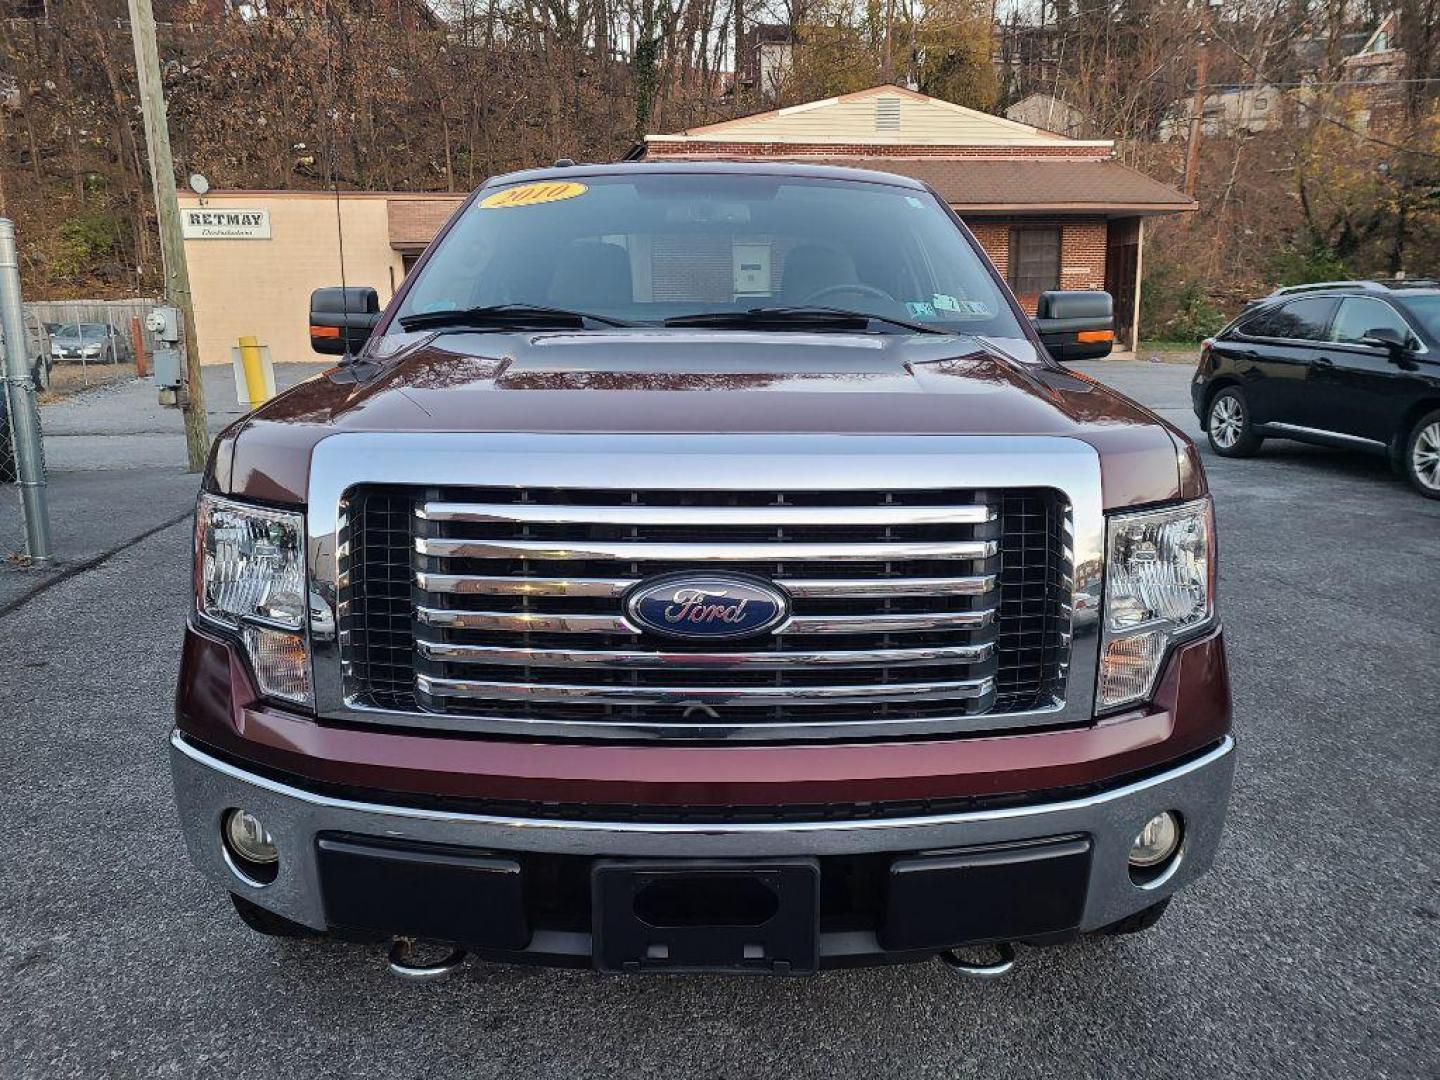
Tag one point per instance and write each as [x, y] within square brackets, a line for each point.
[1390, 339]
[341, 319]
[1076, 324]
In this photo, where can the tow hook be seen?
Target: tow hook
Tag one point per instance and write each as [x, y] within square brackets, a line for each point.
[952, 959]
[406, 961]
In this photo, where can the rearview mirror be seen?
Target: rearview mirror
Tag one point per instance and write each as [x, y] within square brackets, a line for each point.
[1390, 339]
[1076, 324]
[341, 319]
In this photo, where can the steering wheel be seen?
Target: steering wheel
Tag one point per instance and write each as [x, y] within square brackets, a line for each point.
[855, 287]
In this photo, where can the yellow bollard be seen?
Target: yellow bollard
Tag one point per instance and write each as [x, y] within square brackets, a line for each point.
[250, 359]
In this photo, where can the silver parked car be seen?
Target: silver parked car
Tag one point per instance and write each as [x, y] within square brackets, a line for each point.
[88, 341]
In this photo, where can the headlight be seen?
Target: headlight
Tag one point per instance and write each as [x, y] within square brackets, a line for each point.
[251, 577]
[1159, 579]
[91, 350]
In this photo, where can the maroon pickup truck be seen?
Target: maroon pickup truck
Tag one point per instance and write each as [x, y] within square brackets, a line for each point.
[703, 567]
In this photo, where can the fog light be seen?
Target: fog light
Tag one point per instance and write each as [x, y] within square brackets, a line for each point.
[247, 838]
[1156, 842]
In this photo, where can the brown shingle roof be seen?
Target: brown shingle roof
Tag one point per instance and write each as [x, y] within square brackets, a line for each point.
[414, 222]
[970, 185]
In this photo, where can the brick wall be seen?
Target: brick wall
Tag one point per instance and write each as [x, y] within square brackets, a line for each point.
[1082, 255]
[875, 150]
[994, 237]
[1082, 249]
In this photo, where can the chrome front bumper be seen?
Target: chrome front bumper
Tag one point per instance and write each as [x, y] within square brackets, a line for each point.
[206, 787]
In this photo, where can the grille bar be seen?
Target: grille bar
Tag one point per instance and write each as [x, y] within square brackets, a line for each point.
[606, 588]
[968, 689]
[689, 516]
[587, 549]
[884, 623]
[710, 661]
[564, 623]
[524, 622]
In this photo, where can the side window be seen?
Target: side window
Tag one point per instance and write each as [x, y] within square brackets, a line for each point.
[1261, 324]
[1034, 260]
[1299, 320]
[1359, 315]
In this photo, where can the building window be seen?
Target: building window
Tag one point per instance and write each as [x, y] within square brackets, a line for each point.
[1034, 260]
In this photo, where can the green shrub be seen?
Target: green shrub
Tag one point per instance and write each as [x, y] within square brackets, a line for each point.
[87, 240]
[1305, 260]
[1176, 309]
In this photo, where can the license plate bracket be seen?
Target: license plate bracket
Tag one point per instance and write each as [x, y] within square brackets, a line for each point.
[683, 915]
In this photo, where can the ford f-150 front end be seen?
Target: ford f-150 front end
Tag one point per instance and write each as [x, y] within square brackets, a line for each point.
[702, 568]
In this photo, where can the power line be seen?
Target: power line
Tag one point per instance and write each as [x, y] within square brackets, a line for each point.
[1358, 84]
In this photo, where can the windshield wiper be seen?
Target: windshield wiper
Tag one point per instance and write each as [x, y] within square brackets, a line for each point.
[507, 316]
[798, 317]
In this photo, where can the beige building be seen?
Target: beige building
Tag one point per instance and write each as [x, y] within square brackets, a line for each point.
[255, 257]
[1049, 113]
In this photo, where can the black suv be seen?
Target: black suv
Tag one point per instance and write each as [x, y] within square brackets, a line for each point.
[1343, 363]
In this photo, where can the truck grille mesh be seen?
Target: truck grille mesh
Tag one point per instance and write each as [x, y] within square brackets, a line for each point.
[505, 603]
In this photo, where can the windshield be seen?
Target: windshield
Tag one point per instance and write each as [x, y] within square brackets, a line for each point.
[649, 247]
[86, 331]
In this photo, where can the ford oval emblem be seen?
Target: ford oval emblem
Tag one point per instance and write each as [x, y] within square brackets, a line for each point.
[707, 607]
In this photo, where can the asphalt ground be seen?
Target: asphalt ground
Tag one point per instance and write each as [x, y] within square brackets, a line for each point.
[1309, 951]
[115, 469]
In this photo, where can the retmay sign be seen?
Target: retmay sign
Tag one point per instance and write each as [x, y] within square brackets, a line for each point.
[200, 223]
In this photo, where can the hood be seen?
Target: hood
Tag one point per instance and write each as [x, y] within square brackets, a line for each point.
[688, 381]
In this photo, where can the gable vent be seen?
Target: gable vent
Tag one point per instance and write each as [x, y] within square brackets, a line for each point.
[887, 114]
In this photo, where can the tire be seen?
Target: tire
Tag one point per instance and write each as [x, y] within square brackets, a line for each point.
[1227, 423]
[1422, 455]
[267, 922]
[1134, 924]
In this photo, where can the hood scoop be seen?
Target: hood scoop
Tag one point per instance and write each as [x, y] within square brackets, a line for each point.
[686, 360]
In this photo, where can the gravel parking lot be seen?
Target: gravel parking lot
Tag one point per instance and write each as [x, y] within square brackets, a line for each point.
[1310, 951]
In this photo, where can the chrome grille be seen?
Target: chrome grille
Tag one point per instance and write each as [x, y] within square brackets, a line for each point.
[935, 606]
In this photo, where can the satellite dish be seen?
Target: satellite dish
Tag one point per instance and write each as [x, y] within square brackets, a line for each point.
[199, 184]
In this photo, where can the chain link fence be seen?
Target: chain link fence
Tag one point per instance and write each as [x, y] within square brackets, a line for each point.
[93, 342]
[12, 510]
[71, 346]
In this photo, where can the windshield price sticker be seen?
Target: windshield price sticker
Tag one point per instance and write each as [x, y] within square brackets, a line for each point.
[532, 195]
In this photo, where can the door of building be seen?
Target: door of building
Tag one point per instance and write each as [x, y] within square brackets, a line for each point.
[1122, 256]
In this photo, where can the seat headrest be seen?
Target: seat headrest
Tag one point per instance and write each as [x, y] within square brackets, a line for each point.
[591, 274]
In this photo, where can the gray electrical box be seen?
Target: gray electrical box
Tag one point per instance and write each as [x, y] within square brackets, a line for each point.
[167, 368]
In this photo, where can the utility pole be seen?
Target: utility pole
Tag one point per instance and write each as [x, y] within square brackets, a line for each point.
[739, 45]
[167, 211]
[888, 69]
[1197, 106]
